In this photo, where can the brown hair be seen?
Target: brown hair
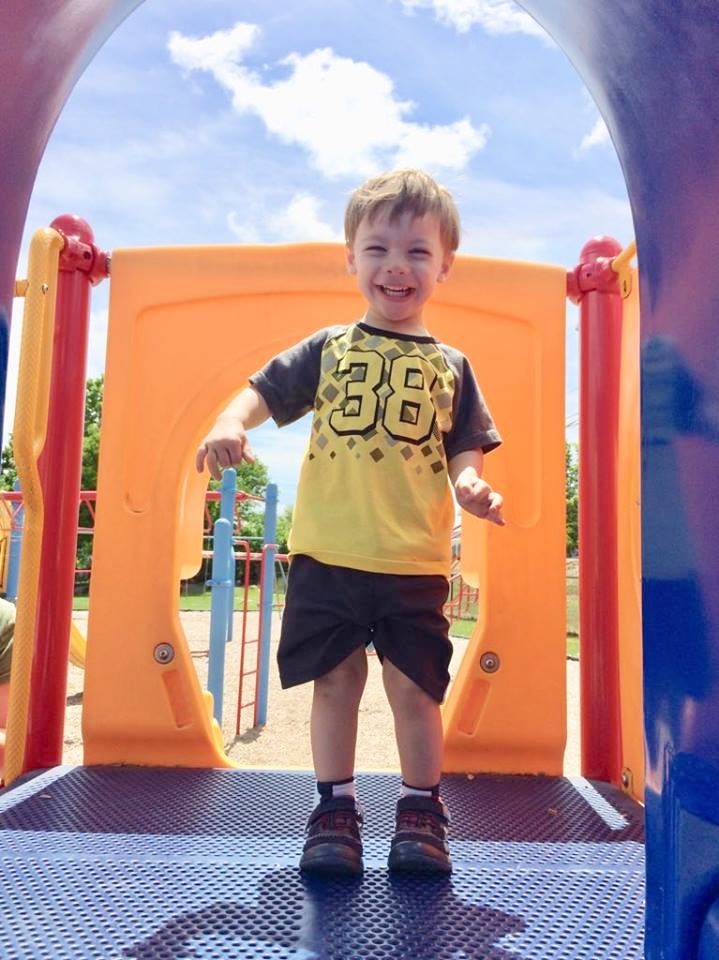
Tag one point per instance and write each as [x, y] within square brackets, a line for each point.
[402, 191]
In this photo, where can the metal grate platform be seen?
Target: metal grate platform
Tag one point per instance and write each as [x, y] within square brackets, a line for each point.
[165, 864]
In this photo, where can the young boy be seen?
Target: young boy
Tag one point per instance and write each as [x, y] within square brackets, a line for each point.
[395, 414]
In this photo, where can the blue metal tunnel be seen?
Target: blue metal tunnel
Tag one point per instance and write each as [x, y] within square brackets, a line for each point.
[116, 863]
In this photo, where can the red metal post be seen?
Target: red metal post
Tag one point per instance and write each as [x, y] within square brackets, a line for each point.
[241, 703]
[595, 287]
[60, 467]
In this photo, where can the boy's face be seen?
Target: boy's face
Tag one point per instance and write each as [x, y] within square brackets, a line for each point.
[397, 265]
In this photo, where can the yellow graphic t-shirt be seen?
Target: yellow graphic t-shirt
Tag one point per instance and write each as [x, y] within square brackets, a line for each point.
[389, 411]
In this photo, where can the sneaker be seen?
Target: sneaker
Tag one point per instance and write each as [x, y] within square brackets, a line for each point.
[420, 843]
[334, 843]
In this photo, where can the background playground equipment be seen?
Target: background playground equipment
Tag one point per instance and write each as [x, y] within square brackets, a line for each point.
[150, 501]
[653, 71]
[222, 582]
[160, 715]
[228, 550]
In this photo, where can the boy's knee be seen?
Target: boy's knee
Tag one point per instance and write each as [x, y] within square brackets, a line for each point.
[403, 692]
[347, 677]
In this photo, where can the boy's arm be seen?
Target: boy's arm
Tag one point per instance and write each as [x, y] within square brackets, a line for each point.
[474, 494]
[226, 444]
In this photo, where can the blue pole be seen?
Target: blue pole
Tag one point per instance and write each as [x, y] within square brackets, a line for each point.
[222, 585]
[13, 562]
[268, 585]
[228, 491]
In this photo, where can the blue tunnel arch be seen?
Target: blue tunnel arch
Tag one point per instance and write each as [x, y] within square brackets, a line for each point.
[653, 71]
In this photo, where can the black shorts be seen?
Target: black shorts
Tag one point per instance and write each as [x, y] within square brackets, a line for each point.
[331, 611]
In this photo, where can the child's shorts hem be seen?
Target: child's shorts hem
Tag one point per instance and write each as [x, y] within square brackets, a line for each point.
[332, 611]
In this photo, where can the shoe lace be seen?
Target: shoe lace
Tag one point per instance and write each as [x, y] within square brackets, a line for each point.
[421, 820]
[337, 819]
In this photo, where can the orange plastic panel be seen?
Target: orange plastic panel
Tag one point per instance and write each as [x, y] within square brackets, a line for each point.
[513, 720]
[187, 327]
[629, 561]
[29, 433]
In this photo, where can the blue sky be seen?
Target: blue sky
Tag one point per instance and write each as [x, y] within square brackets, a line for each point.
[225, 122]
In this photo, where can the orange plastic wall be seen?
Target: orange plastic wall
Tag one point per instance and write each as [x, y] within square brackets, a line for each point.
[629, 560]
[512, 326]
[187, 326]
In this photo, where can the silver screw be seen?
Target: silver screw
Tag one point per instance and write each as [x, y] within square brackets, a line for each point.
[164, 653]
[489, 662]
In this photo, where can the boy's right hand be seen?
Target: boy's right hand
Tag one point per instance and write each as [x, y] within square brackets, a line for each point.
[223, 448]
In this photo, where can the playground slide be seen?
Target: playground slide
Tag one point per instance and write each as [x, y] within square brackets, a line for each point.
[78, 647]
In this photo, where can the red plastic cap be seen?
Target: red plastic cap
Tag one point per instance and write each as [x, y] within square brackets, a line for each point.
[73, 227]
[600, 247]
[80, 252]
[594, 270]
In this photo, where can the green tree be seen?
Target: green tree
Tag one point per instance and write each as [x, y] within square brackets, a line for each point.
[572, 498]
[90, 444]
[252, 478]
[284, 522]
[8, 470]
[94, 389]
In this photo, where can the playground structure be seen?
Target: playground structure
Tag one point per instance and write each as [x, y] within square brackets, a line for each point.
[226, 568]
[666, 133]
[151, 519]
[238, 559]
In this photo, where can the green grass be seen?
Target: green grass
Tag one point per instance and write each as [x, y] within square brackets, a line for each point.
[201, 602]
[464, 628]
[573, 617]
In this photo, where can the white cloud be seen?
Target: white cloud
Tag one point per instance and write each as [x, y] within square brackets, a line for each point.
[244, 231]
[343, 112]
[494, 16]
[597, 136]
[300, 221]
[209, 53]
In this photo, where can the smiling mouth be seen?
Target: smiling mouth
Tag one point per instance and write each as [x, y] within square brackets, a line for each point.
[396, 292]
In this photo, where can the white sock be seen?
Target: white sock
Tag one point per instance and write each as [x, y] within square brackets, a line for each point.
[337, 788]
[407, 790]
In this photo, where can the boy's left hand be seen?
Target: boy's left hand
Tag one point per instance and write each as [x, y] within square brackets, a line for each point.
[477, 497]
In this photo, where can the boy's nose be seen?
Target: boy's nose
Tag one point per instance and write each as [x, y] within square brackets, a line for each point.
[396, 264]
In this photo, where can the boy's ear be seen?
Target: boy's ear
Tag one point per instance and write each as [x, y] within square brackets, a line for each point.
[350, 259]
[446, 267]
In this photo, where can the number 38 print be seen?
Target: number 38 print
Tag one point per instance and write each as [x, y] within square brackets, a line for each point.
[399, 393]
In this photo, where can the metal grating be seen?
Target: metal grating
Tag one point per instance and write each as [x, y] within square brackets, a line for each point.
[164, 864]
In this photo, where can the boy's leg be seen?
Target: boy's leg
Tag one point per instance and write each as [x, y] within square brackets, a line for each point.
[418, 728]
[333, 721]
[420, 840]
[334, 842]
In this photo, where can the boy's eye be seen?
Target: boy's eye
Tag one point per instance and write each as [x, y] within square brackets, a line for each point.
[375, 248]
[420, 252]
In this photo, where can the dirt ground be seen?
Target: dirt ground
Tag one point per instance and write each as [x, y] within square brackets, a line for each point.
[283, 741]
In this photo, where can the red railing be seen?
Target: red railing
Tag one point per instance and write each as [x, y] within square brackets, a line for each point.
[594, 285]
[462, 600]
